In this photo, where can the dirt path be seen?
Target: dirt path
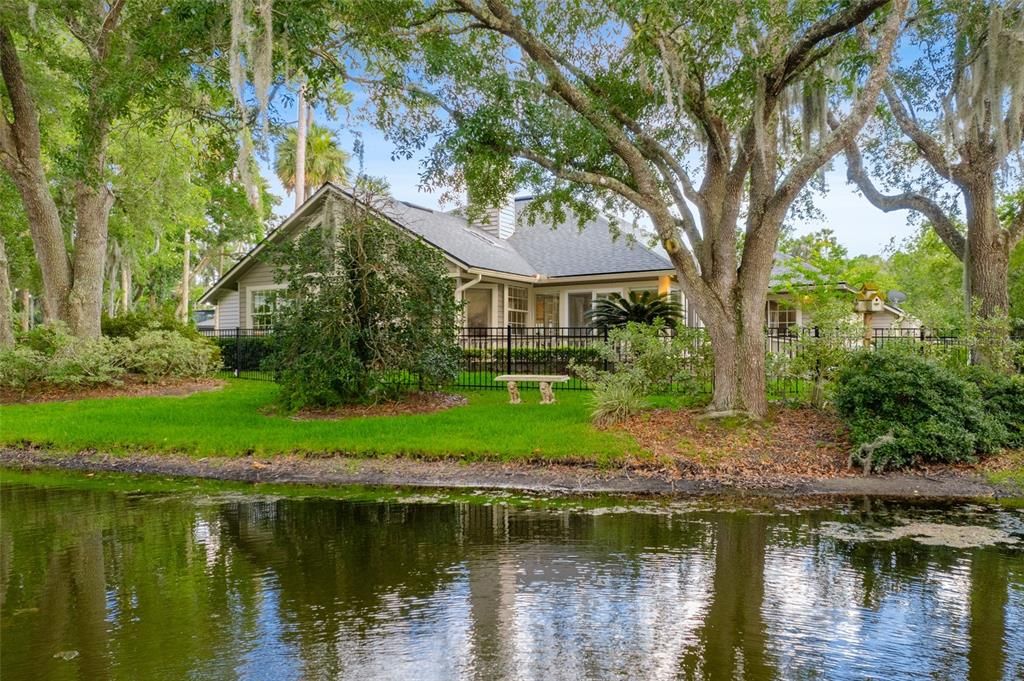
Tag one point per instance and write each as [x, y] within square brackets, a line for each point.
[488, 475]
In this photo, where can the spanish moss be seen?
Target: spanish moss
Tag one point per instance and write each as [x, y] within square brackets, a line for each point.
[986, 101]
[251, 50]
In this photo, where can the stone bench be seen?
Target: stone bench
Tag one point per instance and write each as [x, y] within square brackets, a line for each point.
[547, 395]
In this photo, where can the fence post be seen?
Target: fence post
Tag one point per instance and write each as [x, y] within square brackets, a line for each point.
[508, 348]
[605, 333]
[238, 349]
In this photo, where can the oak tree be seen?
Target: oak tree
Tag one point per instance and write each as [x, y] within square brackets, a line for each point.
[706, 119]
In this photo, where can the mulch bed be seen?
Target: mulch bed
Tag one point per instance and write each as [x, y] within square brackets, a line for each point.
[789, 444]
[130, 387]
[413, 403]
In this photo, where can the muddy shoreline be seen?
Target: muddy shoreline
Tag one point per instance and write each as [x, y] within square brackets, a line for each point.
[551, 478]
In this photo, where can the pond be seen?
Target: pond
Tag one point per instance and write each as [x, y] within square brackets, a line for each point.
[111, 577]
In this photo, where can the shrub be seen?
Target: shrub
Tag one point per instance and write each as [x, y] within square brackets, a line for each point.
[1003, 396]
[135, 323]
[657, 359]
[95, 361]
[811, 356]
[46, 339]
[245, 353]
[528, 359]
[364, 303]
[160, 354]
[20, 367]
[935, 415]
[642, 360]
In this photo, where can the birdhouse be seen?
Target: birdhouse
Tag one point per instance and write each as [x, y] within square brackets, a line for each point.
[869, 299]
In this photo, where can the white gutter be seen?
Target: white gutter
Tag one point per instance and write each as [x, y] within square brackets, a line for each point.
[469, 284]
[525, 278]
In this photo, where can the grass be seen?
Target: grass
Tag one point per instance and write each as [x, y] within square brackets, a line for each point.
[232, 422]
[1011, 472]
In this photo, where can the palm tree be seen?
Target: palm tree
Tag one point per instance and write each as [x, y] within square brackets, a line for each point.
[643, 307]
[326, 161]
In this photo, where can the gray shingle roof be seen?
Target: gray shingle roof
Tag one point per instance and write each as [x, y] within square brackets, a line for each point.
[567, 250]
[453, 235]
[563, 251]
[787, 271]
[532, 250]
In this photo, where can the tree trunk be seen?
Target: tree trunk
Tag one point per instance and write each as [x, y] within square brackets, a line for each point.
[186, 277]
[47, 240]
[6, 301]
[738, 349]
[26, 309]
[85, 301]
[986, 269]
[300, 150]
[72, 287]
[112, 286]
[126, 286]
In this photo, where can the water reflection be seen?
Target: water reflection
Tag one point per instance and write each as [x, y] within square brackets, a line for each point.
[176, 586]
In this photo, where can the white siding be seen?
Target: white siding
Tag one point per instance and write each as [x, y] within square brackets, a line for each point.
[261, 275]
[883, 320]
[227, 311]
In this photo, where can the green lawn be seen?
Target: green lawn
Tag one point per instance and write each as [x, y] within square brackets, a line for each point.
[232, 422]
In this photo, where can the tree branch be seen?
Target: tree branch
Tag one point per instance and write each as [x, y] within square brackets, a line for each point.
[686, 220]
[23, 131]
[591, 178]
[501, 20]
[836, 24]
[913, 201]
[925, 143]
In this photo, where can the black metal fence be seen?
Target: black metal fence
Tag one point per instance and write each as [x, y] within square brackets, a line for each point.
[244, 352]
[488, 352]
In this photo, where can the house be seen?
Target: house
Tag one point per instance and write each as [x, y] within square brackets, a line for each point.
[507, 271]
[869, 306]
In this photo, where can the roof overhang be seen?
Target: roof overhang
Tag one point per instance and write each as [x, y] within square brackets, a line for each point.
[249, 259]
[297, 219]
[609, 276]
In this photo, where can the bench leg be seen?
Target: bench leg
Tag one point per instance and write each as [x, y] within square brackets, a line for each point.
[513, 393]
[547, 395]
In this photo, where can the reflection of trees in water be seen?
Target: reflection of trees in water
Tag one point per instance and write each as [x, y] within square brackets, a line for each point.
[168, 589]
[340, 569]
[113, 577]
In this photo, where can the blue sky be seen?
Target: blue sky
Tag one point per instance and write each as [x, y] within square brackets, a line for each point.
[859, 226]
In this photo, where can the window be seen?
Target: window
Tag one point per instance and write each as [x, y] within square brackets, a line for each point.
[780, 316]
[265, 306]
[545, 311]
[518, 302]
[478, 308]
[579, 306]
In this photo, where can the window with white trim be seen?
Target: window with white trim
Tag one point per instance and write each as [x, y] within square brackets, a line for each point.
[266, 304]
[545, 309]
[780, 316]
[518, 305]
